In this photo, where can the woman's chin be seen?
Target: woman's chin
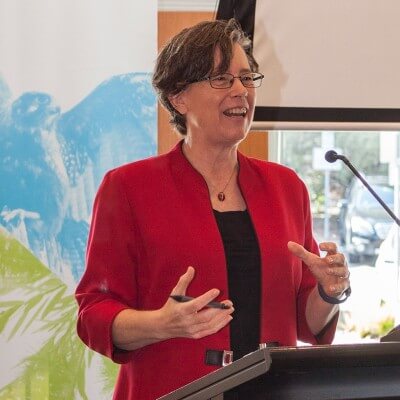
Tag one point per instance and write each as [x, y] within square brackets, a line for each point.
[236, 136]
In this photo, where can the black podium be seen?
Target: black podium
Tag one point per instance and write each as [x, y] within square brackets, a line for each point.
[356, 371]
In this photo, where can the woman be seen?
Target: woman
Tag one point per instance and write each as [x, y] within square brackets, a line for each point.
[207, 222]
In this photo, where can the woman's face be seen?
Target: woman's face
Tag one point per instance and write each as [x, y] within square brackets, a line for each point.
[219, 116]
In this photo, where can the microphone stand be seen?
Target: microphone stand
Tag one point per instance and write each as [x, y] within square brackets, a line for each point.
[331, 156]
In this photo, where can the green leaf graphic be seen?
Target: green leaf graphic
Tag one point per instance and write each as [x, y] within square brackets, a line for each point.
[33, 299]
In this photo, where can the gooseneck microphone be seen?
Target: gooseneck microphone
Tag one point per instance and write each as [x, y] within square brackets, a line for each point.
[331, 156]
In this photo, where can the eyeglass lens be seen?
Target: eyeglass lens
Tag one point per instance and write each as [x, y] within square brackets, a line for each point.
[251, 80]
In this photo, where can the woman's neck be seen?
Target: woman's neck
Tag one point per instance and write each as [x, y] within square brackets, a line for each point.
[219, 168]
[215, 161]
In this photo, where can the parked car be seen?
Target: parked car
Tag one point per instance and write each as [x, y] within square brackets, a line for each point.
[387, 267]
[363, 222]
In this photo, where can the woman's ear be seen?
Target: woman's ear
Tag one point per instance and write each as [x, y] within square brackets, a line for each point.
[178, 102]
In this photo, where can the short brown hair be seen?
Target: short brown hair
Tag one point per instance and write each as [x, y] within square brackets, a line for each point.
[189, 56]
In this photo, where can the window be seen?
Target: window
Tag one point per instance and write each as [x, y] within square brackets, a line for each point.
[345, 212]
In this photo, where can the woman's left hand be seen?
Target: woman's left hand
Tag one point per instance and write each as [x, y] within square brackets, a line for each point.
[331, 271]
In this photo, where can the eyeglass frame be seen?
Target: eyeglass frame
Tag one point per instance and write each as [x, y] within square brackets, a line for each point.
[208, 78]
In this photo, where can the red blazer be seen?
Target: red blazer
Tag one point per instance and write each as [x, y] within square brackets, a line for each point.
[151, 220]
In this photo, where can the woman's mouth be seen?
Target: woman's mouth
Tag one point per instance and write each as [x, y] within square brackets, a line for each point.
[236, 112]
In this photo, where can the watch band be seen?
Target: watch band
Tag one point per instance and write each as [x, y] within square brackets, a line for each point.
[333, 300]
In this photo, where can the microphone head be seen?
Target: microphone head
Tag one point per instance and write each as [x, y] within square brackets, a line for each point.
[331, 156]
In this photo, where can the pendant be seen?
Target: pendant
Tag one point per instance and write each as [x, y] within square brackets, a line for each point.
[221, 196]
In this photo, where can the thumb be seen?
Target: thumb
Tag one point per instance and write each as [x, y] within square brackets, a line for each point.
[184, 282]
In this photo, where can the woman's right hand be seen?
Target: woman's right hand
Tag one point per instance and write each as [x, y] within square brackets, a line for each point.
[133, 329]
[192, 319]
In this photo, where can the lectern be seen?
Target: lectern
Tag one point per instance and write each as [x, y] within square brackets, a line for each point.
[329, 372]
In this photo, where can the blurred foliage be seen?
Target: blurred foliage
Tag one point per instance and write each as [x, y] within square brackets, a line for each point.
[379, 329]
[33, 300]
[361, 148]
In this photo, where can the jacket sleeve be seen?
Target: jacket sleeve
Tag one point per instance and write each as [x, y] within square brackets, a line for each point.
[308, 283]
[108, 284]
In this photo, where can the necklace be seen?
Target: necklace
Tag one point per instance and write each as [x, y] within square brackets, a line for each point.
[221, 195]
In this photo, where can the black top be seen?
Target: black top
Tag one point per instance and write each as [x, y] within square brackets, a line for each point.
[243, 265]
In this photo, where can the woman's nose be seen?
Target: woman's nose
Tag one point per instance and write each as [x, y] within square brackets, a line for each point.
[238, 89]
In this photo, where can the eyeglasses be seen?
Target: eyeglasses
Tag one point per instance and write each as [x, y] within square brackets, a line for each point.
[225, 81]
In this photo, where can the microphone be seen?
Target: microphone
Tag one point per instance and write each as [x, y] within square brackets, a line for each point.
[331, 156]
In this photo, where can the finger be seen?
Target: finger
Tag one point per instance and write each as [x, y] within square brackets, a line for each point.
[205, 320]
[340, 272]
[299, 251]
[209, 329]
[228, 303]
[209, 314]
[184, 282]
[198, 303]
[336, 260]
[329, 247]
[337, 289]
